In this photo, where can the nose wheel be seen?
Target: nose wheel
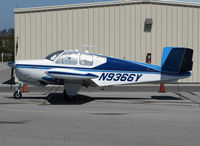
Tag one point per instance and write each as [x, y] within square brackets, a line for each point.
[18, 94]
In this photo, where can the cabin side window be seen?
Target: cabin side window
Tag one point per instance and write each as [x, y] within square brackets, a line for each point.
[53, 56]
[68, 58]
[86, 59]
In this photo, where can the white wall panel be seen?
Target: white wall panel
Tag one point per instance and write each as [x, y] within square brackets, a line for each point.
[174, 25]
[49, 33]
[69, 30]
[33, 36]
[147, 48]
[116, 30]
[128, 32]
[133, 32]
[195, 40]
[155, 28]
[65, 29]
[112, 31]
[96, 30]
[107, 30]
[54, 31]
[86, 26]
[81, 28]
[138, 33]
[38, 25]
[91, 30]
[160, 33]
[101, 30]
[59, 33]
[180, 27]
[143, 46]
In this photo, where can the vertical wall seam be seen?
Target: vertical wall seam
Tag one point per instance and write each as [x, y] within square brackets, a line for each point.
[119, 30]
[24, 57]
[125, 46]
[114, 49]
[130, 55]
[36, 29]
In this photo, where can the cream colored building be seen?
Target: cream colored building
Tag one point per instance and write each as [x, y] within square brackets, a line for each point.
[112, 28]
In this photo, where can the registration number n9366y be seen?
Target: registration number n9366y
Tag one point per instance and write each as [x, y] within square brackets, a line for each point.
[120, 77]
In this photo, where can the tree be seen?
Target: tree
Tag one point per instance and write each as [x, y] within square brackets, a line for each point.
[7, 40]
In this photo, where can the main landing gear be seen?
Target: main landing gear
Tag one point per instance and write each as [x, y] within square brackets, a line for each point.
[68, 97]
[70, 90]
[18, 94]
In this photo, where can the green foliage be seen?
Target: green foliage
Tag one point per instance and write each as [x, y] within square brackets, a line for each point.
[7, 41]
[7, 44]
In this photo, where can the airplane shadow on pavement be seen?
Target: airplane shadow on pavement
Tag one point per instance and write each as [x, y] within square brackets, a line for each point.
[165, 98]
[60, 99]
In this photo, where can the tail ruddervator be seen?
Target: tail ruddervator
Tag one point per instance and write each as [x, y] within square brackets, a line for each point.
[176, 63]
[75, 69]
[176, 60]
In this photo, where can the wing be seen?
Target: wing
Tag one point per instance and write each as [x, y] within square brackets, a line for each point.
[71, 76]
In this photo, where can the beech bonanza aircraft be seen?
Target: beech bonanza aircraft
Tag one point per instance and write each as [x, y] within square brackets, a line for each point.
[75, 69]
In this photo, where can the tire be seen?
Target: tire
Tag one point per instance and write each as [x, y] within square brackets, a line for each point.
[70, 98]
[17, 95]
[64, 93]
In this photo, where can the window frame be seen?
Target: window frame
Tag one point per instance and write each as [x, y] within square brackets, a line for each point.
[86, 60]
[68, 54]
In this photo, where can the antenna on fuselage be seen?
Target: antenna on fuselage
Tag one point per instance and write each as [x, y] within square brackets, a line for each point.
[86, 48]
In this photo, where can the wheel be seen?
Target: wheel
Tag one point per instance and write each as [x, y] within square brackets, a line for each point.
[64, 93]
[17, 95]
[70, 98]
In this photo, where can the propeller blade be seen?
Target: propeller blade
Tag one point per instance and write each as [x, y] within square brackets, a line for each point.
[11, 78]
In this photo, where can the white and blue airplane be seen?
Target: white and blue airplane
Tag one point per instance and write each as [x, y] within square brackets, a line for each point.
[75, 69]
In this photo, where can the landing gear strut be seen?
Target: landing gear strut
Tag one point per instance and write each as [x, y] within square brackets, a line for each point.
[68, 97]
[70, 90]
[17, 94]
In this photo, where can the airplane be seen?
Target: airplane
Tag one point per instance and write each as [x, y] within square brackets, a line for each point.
[75, 69]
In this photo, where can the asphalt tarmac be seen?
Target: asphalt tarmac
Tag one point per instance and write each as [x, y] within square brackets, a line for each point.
[113, 116]
[100, 117]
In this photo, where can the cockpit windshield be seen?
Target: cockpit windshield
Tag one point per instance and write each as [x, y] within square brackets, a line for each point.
[54, 55]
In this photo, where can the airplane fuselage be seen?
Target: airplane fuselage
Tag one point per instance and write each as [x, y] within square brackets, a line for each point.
[103, 71]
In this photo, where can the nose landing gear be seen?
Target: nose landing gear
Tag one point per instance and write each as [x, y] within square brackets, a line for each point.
[18, 94]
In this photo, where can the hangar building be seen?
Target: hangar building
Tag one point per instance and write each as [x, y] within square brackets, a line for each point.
[125, 29]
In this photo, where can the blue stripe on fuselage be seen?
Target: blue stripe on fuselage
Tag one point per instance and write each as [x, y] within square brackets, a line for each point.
[127, 65]
[74, 74]
[78, 68]
[95, 70]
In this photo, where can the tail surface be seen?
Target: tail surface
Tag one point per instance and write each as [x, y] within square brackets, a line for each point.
[176, 60]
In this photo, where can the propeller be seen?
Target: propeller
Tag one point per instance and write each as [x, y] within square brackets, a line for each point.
[12, 66]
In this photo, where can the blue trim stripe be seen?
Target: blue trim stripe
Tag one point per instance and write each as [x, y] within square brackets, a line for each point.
[90, 70]
[95, 69]
[74, 74]
[99, 70]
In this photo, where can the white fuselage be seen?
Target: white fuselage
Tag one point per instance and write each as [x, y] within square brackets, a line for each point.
[32, 71]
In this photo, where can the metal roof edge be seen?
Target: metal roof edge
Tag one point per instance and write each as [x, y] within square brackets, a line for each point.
[69, 6]
[107, 3]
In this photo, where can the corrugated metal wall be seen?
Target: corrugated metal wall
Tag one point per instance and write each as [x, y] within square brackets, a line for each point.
[114, 30]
